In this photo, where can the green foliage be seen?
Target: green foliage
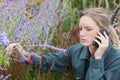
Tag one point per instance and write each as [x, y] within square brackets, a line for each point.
[4, 60]
[69, 21]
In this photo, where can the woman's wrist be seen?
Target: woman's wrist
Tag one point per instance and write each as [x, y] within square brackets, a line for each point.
[98, 56]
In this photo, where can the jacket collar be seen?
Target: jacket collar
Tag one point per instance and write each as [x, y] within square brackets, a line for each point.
[84, 54]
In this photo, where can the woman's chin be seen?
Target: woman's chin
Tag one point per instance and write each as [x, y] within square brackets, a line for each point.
[85, 44]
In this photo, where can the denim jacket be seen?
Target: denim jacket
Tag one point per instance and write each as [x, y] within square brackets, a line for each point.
[84, 67]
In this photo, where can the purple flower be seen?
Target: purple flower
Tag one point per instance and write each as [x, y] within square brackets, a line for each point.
[4, 39]
[38, 29]
[1, 77]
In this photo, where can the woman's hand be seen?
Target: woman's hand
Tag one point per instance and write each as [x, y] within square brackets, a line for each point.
[15, 49]
[102, 45]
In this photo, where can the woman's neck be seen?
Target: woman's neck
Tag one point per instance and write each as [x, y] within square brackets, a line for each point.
[92, 50]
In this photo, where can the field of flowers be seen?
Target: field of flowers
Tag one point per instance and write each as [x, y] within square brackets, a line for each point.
[41, 26]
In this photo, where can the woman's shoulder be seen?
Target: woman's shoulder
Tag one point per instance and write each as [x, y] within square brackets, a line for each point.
[112, 50]
[114, 53]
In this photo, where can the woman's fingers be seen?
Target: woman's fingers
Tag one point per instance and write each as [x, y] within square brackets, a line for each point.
[105, 35]
[14, 47]
[102, 39]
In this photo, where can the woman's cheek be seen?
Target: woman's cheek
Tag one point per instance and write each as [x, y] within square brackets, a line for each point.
[90, 40]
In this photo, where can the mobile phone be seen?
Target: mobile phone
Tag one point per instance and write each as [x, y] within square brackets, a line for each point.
[101, 31]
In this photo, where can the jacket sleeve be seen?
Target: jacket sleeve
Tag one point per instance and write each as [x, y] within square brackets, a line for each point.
[97, 71]
[54, 62]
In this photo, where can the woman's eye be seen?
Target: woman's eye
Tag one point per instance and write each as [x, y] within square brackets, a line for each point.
[89, 29]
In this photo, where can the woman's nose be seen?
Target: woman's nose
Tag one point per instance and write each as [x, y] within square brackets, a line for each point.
[82, 32]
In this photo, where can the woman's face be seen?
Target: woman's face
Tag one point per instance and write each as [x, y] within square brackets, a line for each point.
[88, 30]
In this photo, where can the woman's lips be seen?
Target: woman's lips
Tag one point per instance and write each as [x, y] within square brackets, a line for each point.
[83, 40]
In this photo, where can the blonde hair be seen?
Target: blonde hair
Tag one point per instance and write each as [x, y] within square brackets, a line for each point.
[100, 16]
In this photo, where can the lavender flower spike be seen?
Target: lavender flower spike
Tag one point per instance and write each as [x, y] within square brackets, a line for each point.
[4, 39]
[52, 47]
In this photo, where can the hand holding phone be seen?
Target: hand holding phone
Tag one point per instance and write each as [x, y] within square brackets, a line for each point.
[101, 31]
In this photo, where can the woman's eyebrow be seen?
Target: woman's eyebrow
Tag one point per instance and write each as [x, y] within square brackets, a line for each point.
[85, 26]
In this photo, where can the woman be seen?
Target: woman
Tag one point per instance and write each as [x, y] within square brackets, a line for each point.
[88, 61]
